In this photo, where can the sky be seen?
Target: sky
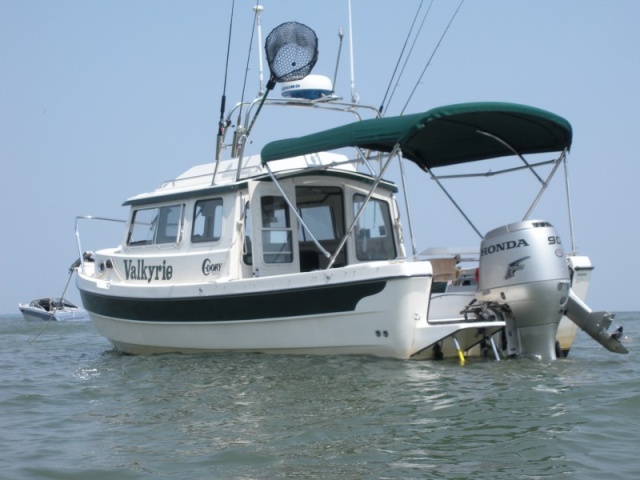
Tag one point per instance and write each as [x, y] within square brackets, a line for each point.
[102, 100]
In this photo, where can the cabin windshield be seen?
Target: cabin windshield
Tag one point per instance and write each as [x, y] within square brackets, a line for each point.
[156, 225]
[374, 238]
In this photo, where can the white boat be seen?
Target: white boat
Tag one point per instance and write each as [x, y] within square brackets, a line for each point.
[300, 249]
[51, 308]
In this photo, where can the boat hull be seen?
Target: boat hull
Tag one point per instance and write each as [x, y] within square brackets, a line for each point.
[366, 309]
[39, 315]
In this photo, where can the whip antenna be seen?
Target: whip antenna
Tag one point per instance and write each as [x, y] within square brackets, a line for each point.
[354, 94]
[258, 10]
[292, 52]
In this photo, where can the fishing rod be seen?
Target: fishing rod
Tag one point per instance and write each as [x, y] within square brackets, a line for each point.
[384, 99]
[431, 57]
[222, 124]
[238, 134]
[406, 60]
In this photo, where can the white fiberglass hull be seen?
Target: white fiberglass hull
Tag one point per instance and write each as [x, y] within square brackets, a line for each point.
[33, 314]
[375, 310]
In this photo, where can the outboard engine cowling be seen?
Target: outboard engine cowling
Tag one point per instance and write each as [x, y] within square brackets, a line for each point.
[523, 270]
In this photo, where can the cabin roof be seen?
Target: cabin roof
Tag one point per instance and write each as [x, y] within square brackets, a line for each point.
[442, 136]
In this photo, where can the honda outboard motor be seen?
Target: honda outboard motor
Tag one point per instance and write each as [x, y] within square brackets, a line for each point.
[523, 272]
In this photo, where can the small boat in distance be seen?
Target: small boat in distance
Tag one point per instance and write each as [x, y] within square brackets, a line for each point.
[300, 249]
[52, 308]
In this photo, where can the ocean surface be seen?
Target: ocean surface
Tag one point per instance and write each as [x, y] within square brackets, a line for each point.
[73, 408]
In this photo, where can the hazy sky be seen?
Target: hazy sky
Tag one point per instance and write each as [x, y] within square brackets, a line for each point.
[102, 100]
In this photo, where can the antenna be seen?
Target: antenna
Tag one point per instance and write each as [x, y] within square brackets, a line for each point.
[354, 96]
[258, 10]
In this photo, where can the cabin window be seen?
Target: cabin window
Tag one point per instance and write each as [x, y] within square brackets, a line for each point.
[277, 245]
[207, 221]
[319, 219]
[373, 232]
[155, 226]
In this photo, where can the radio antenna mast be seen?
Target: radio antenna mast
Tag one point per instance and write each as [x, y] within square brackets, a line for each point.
[258, 9]
[354, 95]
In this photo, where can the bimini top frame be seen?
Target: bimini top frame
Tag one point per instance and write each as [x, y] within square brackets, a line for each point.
[444, 136]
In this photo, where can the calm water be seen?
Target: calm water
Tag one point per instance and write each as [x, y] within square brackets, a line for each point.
[71, 407]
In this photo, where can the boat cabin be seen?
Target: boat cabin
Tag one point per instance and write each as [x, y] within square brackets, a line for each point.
[248, 228]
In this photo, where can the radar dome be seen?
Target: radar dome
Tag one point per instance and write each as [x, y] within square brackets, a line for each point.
[310, 87]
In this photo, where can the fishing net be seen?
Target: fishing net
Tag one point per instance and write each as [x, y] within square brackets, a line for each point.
[292, 52]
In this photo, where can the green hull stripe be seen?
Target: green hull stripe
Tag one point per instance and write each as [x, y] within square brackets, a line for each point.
[253, 306]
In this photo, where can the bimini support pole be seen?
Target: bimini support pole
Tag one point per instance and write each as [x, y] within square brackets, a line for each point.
[545, 184]
[406, 202]
[294, 210]
[451, 199]
[569, 209]
[393, 152]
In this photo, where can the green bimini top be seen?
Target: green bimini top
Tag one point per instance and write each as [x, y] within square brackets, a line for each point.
[442, 136]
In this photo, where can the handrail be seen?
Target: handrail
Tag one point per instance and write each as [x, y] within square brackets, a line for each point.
[325, 103]
[90, 217]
